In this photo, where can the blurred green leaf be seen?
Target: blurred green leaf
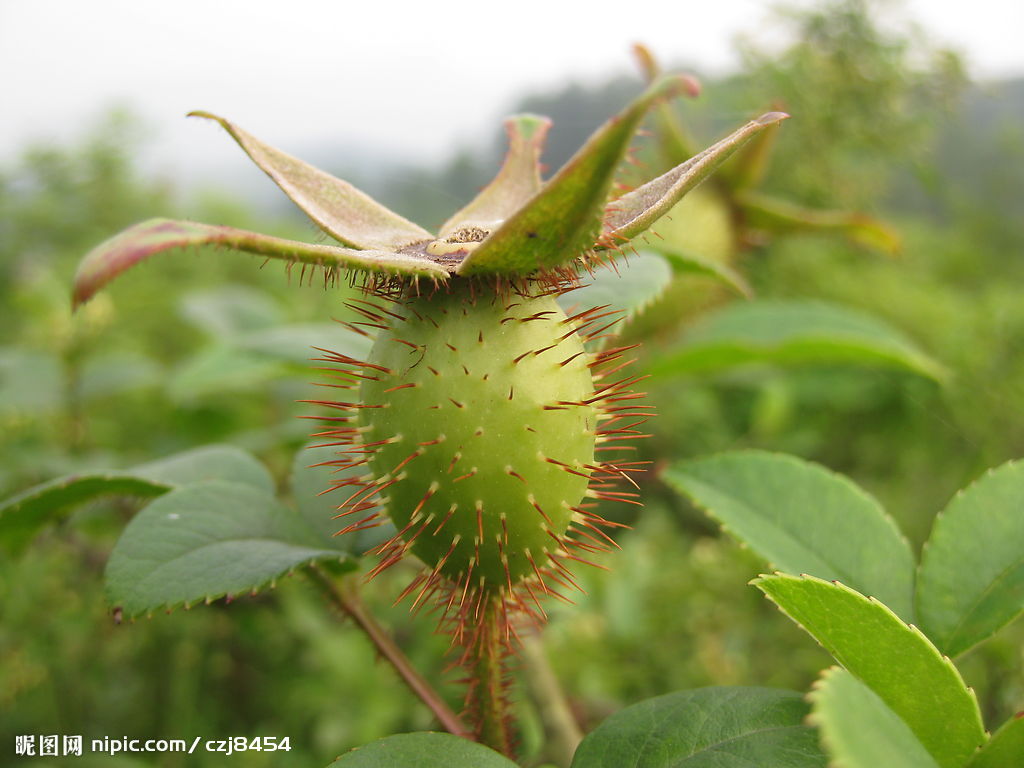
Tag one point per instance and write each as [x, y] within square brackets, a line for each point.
[627, 287]
[248, 360]
[30, 381]
[23, 515]
[230, 310]
[971, 580]
[859, 730]
[222, 369]
[802, 518]
[895, 660]
[422, 750]
[688, 262]
[300, 342]
[1005, 748]
[780, 217]
[793, 333]
[116, 373]
[700, 227]
[205, 541]
[706, 728]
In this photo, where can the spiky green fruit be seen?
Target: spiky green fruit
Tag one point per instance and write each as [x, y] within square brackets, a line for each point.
[479, 408]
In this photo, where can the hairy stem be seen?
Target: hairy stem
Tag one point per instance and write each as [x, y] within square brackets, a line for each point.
[560, 725]
[486, 703]
[345, 597]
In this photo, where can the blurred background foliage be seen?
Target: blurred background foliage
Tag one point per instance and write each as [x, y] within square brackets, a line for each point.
[186, 351]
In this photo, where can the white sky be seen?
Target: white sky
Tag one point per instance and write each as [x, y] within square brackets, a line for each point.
[430, 73]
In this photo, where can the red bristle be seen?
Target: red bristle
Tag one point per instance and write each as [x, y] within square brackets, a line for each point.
[417, 580]
[451, 511]
[426, 497]
[455, 458]
[597, 519]
[407, 343]
[597, 542]
[415, 454]
[535, 505]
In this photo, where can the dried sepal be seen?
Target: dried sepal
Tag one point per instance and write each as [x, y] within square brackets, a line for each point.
[516, 182]
[345, 213]
[648, 63]
[635, 211]
[135, 244]
[563, 220]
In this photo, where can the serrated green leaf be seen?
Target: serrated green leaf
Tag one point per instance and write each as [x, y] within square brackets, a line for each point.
[895, 660]
[339, 209]
[148, 238]
[516, 182]
[636, 211]
[1004, 749]
[971, 580]
[802, 518]
[205, 541]
[628, 287]
[23, 515]
[562, 221]
[859, 730]
[706, 728]
[786, 333]
[318, 491]
[422, 750]
[780, 217]
[687, 262]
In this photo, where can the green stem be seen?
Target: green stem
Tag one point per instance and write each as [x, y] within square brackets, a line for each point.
[486, 701]
[345, 597]
[75, 426]
[564, 734]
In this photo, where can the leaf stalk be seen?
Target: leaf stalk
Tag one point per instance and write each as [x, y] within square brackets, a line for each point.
[345, 597]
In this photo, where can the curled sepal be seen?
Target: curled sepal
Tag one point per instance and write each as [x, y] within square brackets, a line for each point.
[562, 221]
[123, 251]
[634, 212]
[516, 182]
[339, 209]
[673, 139]
[779, 217]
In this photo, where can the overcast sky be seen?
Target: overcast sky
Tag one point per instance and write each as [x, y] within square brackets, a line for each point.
[428, 73]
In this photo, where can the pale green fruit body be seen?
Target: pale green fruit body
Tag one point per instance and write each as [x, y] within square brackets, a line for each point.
[479, 412]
